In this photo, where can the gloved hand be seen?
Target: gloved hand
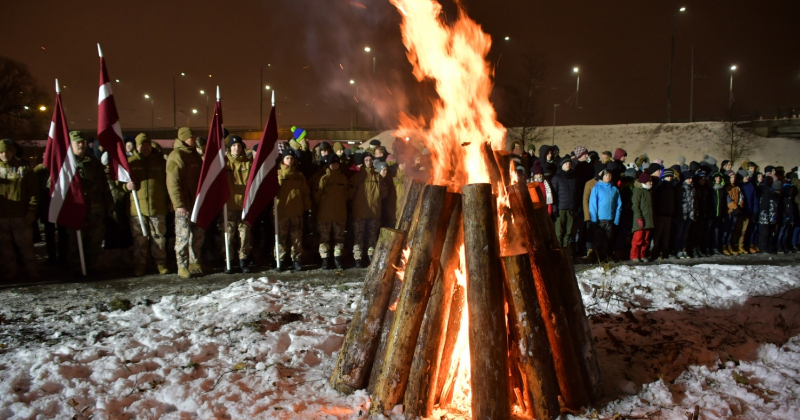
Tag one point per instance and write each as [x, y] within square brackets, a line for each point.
[640, 223]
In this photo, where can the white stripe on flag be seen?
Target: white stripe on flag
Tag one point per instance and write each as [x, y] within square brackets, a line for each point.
[52, 132]
[105, 92]
[213, 171]
[267, 166]
[117, 129]
[122, 174]
[65, 175]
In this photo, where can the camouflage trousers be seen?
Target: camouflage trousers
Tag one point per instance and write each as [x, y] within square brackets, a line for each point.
[188, 241]
[20, 232]
[371, 228]
[156, 229]
[239, 235]
[92, 233]
[290, 230]
[325, 229]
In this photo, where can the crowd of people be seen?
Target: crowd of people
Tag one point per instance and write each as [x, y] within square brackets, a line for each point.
[334, 198]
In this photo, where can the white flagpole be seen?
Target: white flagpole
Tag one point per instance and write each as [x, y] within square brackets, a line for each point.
[80, 252]
[139, 212]
[227, 238]
[277, 240]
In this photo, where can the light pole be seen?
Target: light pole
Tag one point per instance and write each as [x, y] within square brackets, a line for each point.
[203, 92]
[152, 112]
[730, 97]
[353, 82]
[555, 107]
[691, 88]
[174, 103]
[577, 92]
[374, 58]
[671, 65]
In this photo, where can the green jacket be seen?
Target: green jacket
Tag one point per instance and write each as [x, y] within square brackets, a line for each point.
[183, 175]
[331, 196]
[96, 189]
[293, 197]
[367, 189]
[151, 175]
[642, 207]
[18, 189]
[238, 169]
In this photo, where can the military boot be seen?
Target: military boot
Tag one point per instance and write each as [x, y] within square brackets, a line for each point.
[243, 265]
[337, 261]
[162, 269]
[196, 269]
[184, 273]
[324, 264]
[357, 263]
[298, 266]
[139, 270]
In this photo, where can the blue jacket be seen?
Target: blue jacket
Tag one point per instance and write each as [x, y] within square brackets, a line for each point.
[750, 207]
[605, 203]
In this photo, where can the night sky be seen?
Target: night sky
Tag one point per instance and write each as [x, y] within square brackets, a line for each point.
[309, 50]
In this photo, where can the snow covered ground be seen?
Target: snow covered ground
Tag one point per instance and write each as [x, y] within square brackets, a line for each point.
[669, 337]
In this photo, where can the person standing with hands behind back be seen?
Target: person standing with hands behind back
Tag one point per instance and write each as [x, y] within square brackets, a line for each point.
[642, 216]
[183, 175]
[294, 200]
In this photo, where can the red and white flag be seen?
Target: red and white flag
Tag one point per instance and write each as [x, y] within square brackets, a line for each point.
[109, 133]
[67, 207]
[262, 183]
[212, 190]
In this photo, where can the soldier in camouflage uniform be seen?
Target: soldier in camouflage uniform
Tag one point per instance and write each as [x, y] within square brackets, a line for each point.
[150, 172]
[18, 194]
[183, 176]
[238, 169]
[367, 189]
[294, 201]
[331, 198]
[99, 204]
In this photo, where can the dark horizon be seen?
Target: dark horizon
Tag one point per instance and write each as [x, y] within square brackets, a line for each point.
[309, 53]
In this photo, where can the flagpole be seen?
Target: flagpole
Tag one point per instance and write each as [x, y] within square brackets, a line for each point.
[227, 238]
[277, 240]
[80, 252]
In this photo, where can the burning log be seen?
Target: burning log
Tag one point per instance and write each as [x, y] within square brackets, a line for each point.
[362, 339]
[444, 381]
[503, 160]
[420, 273]
[485, 297]
[421, 392]
[534, 357]
[410, 201]
[546, 277]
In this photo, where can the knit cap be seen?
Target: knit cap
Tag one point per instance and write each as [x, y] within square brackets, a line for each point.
[298, 133]
[537, 168]
[644, 178]
[142, 138]
[580, 151]
[184, 133]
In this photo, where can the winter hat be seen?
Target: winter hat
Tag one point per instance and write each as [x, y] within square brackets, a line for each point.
[743, 173]
[234, 140]
[580, 151]
[142, 138]
[594, 156]
[184, 133]
[644, 178]
[686, 175]
[658, 161]
[298, 133]
[653, 168]
[6, 144]
[710, 160]
[640, 161]
[337, 146]
[668, 173]
[681, 160]
[348, 152]
[329, 159]
[324, 146]
[613, 167]
[537, 168]
[374, 142]
[768, 168]
[379, 166]
[288, 151]
[630, 173]
[599, 168]
[694, 166]
[563, 161]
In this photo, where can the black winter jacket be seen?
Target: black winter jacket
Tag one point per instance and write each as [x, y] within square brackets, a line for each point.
[663, 199]
[565, 191]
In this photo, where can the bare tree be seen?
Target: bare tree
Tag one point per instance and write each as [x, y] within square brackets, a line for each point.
[521, 97]
[20, 100]
[734, 142]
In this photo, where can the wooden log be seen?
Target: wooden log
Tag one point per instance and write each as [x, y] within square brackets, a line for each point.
[420, 273]
[495, 177]
[487, 329]
[503, 159]
[542, 222]
[420, 393]
[363, 336]
[409, 203]
[546, 277]
[579, 323]
[457, 307]
[535, 359]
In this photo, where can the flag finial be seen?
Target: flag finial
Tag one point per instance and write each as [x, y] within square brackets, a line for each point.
[217, 92]
[273, 97]
[99, 51]
[58, 89]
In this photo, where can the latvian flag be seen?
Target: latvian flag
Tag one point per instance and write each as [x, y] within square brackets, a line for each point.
[212, 190]
[67, 207]
[262, 184]
[109, 133]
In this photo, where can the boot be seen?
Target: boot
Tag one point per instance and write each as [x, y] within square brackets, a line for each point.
[243, 265]
[369, 259]
[139, 270]
[726, 250]
[715, 251]
[733, 251]
[337, 261]
[753, 249]
[686, 254]
[196, 269]
[357, 263]
[298, 266]
[324, 264]
[162, 269]
[184, 273]
[285, 265]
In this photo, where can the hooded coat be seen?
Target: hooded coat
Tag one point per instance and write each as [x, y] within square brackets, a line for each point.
[642, 207]
[688, 202]
[605, 203]
[151, 174]
[565, 191]
[18, 189]
[367, 189]
[294, 197]
[183, 175]
[549, 167]
[238, 170]
[331, 196]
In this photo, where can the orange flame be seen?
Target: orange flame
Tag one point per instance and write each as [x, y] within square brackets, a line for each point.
[400, 272]
[463, 117]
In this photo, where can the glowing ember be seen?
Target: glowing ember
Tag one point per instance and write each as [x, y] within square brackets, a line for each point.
[400, 273]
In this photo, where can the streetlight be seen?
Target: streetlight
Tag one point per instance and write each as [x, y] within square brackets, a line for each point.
[42, 108]
[507, 38]
[671, 65]
[374, 58]
[353, 82]
[730, 98]
[367, 49]
[202, 92]
[555, 107]
[174, 106]
[577, 92]
[152, 112]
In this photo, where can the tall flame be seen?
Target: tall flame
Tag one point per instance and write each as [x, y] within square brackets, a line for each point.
[463, 117]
